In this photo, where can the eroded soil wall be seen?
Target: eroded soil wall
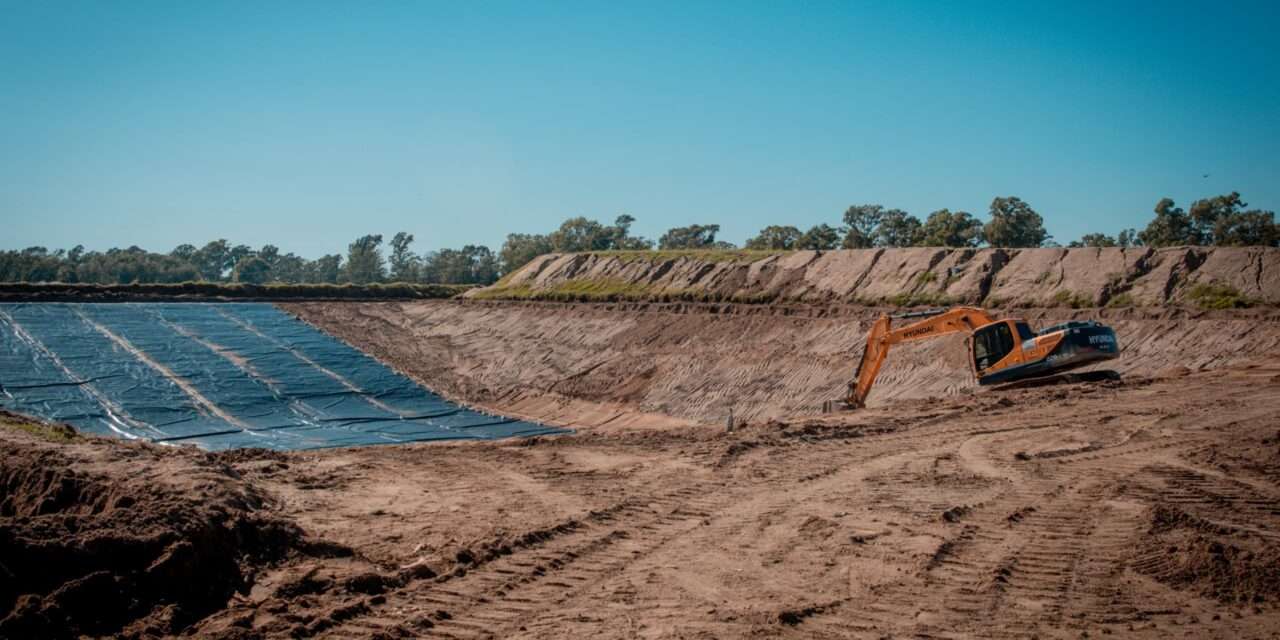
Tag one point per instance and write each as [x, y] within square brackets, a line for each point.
[658, 364]
[1138, 276]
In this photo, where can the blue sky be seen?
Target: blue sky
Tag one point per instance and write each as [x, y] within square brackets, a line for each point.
[306, 124]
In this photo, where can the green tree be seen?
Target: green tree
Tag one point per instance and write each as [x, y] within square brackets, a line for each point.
[898, 228]
[1128, 238]
[1247, 228]
[1094, 240]
[1223, 221]
[946, 229]
[184, 252]
[270, 254]
[1014, 224]
[580, 234]
[326, 269]
[521, 248]
[364, 260]
[404, 264]
[292, 269]
[252, 270]
[694, 236]
[1170, 227]
[775, 237]
[473, 264]
[621, 238]
[861, 221]
[213, 260]
[821, 237]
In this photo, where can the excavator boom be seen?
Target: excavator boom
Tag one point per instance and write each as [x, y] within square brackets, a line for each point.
[883, 336]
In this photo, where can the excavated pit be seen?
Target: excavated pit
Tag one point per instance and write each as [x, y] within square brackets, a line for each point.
[654, 364]
[1144, 508]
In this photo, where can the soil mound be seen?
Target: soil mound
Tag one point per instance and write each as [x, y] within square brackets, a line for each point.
[1213, 560]
[1212, 277]
[100, 537]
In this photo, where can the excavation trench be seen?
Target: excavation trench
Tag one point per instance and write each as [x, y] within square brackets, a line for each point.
[651, 364]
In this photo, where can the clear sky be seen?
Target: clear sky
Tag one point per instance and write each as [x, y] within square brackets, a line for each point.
[306, 124]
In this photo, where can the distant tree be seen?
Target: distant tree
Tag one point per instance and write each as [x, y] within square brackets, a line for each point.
[1094, 240]
[822, 237]
[580, 234]
[473, 264]
[252, 270]
[184, 252]
[622, 239]
[292, 269]
[1128, 238]
[327, 269]
[236, 253]
[946, 229]
[213, 260]
[270, 254]
[520, 248]
[898, 229]
[1223, 221]
[1170, 227]
[695, 236]
[364, 260]
[1247, 228]
[775, 237]
[1014, 224]
[404, 264]
[861, 221]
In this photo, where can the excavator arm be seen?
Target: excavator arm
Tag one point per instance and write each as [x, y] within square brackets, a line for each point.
[882, 336]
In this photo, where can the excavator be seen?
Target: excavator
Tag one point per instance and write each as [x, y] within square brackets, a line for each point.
[1000, 351]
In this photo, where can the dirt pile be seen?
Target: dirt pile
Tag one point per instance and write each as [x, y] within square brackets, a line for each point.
[101, 537]
[667, 364]
[1226, 563]
[1195, 276]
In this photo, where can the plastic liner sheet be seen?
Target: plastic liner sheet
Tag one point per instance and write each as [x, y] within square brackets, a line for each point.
[220, 376]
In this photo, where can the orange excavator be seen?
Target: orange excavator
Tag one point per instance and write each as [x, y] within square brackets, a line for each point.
[1000, 351]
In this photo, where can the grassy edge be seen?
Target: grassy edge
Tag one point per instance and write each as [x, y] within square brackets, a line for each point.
[47, 431]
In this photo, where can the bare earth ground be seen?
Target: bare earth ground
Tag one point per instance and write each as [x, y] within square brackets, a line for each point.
[1146, 508]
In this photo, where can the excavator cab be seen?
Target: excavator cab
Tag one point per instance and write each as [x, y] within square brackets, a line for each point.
[993, 342]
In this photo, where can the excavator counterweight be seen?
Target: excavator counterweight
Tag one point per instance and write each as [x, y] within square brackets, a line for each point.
[1000, 351]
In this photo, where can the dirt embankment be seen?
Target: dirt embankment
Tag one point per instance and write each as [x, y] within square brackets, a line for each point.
[646, 364]
[1193, 276]
[102, 537]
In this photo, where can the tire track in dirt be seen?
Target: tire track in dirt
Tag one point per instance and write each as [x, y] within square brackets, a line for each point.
[1039, 551]
[482, 600]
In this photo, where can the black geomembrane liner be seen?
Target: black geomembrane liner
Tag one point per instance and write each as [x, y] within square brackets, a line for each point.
[219, 375]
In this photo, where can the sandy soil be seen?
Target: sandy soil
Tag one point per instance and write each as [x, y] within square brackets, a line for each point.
[643, 364]
[1144, 508]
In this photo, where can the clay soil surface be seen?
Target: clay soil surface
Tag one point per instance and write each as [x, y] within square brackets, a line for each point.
[1148, 507]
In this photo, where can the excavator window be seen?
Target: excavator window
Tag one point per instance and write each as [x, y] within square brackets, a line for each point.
[1024, 331]
[990, 344]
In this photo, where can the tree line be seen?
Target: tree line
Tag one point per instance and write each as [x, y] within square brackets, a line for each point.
[1223, 220]
[220, 261]
[1012, 223]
